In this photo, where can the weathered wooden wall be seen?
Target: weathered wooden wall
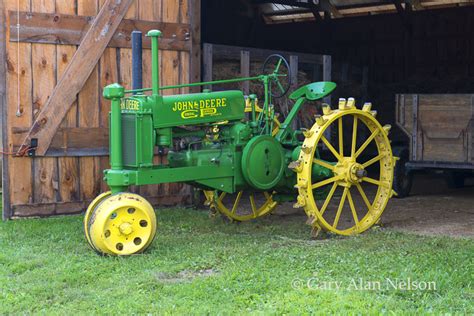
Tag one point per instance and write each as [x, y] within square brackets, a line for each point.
[70, 175]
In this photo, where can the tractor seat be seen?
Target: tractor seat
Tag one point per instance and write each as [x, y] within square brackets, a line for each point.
[314, 91]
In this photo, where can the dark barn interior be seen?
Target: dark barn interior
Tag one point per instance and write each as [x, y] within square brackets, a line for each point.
[404, 50]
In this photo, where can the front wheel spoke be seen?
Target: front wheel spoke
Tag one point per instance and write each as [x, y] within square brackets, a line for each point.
[366, 143]
[341, 206]
[236, 203]
[323, 163]
[353, 210]
[327, 181]
[328, 199]
[373, 160]
[364, 196]
[330, 147]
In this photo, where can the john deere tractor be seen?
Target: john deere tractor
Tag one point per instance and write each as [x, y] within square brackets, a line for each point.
[234, 148]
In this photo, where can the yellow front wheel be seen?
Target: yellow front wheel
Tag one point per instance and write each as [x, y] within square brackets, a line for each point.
[120, 224]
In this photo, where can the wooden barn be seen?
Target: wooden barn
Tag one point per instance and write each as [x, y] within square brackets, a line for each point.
[58, 56]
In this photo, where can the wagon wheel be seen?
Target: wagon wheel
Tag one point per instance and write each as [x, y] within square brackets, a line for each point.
[364, 184]
[120, 224]
[244, 205]
[280, 82]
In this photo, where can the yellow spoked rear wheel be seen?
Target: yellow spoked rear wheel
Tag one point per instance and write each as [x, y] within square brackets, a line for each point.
[353, 210]
[120, 224]
[241, 206]
[244, 205]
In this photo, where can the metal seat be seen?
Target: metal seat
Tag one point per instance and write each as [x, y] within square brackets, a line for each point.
[314, 91]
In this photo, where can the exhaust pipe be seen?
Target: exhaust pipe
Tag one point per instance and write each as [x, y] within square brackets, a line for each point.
[137, 72]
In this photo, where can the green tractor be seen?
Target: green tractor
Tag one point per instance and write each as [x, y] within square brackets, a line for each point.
[241, 156]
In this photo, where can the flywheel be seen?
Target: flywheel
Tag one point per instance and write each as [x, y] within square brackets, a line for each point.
[362, 172]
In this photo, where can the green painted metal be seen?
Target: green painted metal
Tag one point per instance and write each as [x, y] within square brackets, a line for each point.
[314, 91]
[263, 162]
[210, 142]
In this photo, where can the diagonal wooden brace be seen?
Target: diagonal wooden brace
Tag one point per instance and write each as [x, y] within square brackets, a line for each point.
[74, 77]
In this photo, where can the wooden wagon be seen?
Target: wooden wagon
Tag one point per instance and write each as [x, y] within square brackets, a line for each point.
[440, 132]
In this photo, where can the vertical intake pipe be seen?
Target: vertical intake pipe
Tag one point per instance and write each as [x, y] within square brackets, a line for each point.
[137, 74]
[155, 75]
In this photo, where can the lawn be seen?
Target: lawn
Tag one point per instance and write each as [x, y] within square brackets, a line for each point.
[200, 265]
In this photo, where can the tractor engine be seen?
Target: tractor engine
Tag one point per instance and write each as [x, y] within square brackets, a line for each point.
[203, 129]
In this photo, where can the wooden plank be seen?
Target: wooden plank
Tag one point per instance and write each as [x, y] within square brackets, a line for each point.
[245, 70]
[108, 74]
[208, 54]
[184, 57]
[89, 172]
[70, 29]
[18, 112]
[171, 69]
[45, 170]
[6, 209]
[327, 66]
[327, 69]
[194, 8]
[294, 83]
[74, 77]
[150, 10]
[47, 209]
[68, 167]
[69, 138]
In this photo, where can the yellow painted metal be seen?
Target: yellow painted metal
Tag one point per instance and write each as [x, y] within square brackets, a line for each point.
[121, 224]
[89, 211]
[349, 173]
[229, 204]
[258, 110]
[241, 206]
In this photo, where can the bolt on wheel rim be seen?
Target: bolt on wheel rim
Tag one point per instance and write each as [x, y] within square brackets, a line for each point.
[348, 208]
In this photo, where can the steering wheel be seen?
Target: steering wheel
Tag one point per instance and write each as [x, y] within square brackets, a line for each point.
[277, 67]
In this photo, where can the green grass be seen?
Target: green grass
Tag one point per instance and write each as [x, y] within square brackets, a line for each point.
[199, 265]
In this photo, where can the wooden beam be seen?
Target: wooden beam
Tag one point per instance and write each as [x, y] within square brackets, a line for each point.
[245, 70]
[416, 4]
[399, 7]
[233, 52]
[68, 139]
[54, 28]
[195, 54]
[59, 208]
[327, 6]
[6, 213]
[207, 61]
[76, 74]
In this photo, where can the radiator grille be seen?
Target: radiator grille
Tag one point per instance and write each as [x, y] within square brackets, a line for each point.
[129, 146]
